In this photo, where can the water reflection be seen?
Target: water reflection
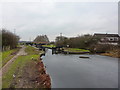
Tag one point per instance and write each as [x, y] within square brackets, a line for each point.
[54, 51]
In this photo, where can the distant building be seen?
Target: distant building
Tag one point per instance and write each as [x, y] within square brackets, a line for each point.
[113, 39]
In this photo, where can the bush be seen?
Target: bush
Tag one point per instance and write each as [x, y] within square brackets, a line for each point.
[102, 48]
[83, 41]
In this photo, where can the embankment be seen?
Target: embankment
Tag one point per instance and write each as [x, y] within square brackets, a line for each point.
[27, 71]
[32, 75]
[115, 54]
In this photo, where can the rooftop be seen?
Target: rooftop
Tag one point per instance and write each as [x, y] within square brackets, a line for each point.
[106, 35]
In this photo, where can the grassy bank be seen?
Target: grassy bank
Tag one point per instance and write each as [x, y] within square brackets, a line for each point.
[27, 72]
[17, 66]
[50, 46]
[0, 59]
[75, 50]
[113, 53]
[32, 51]
[7, 55]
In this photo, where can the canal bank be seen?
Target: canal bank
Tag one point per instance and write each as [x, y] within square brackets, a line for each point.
[26, 71]
[70, 71]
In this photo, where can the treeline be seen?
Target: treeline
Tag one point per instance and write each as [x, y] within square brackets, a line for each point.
[86, 41]
[41, 38]
[83, 41]
[9, 40]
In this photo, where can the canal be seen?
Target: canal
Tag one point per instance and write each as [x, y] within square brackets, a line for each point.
[70, 71]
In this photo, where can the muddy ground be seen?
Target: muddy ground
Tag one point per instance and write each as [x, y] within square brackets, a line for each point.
[33, 75]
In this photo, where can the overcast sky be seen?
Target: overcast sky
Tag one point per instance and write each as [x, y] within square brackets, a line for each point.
[69, 18]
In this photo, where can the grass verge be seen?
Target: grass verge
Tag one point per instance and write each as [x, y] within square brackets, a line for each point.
[75, 50]
[18, 65]
[32, 51]
[0, 59]
[7, 55]
[50, 46]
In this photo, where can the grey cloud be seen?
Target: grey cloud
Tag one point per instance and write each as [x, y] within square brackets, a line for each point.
[31, 19]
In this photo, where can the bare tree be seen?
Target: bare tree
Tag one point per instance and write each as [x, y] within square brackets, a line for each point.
[9, 39]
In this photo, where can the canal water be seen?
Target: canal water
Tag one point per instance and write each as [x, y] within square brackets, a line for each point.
[70, 71]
